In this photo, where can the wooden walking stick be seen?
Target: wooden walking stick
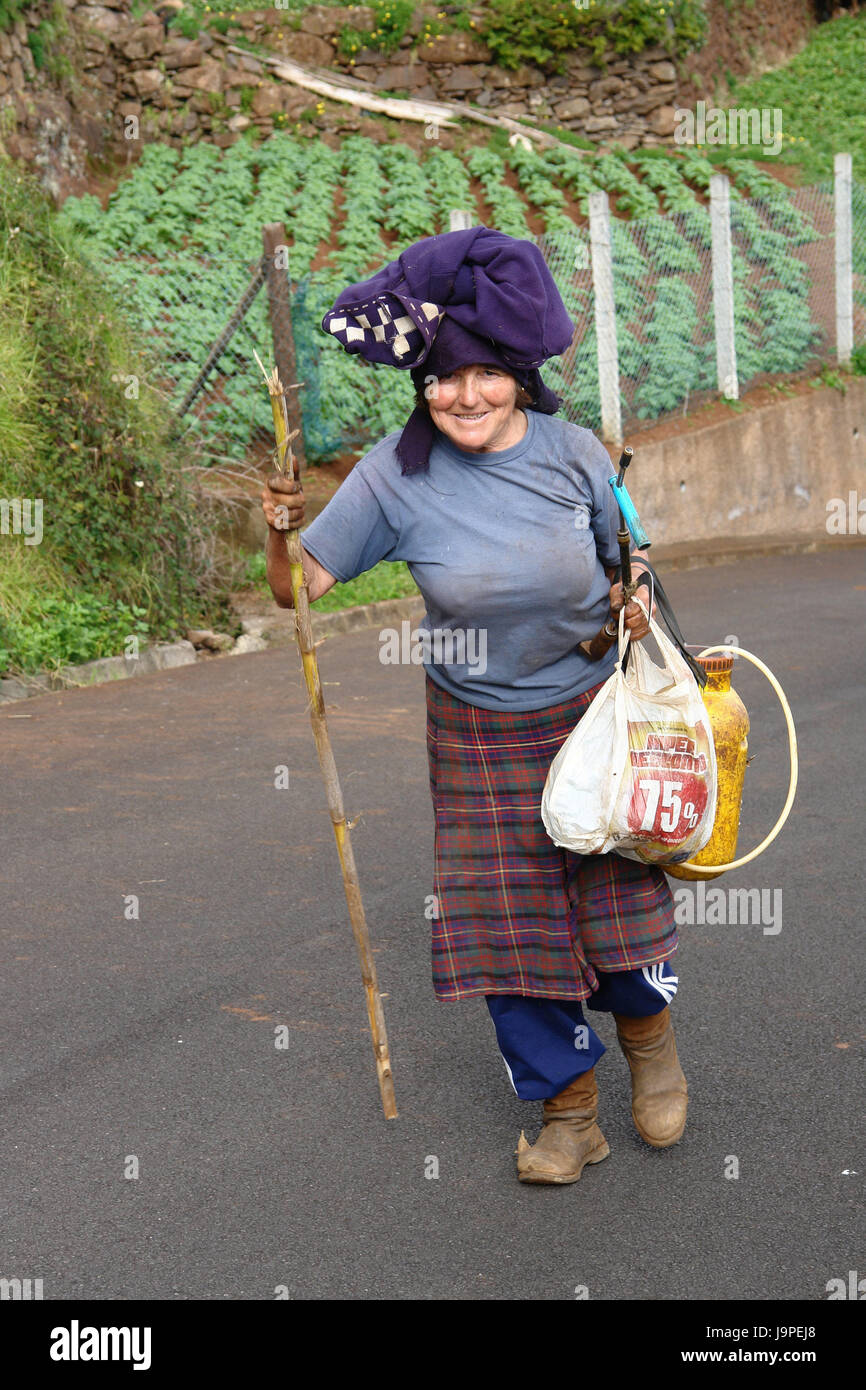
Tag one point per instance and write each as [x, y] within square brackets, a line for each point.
[285, 465]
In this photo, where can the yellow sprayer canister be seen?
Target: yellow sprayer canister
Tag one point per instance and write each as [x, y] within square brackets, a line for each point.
[729, 722]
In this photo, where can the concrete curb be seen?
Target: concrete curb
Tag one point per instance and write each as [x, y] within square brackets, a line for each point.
[703, 554]
[259, 633]
[163, 656]
[278, 629]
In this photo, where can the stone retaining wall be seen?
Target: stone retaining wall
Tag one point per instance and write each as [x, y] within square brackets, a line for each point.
[185, 89]
[630, 98]
[181, 90]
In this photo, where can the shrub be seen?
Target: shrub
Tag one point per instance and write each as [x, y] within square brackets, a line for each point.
[543, 31]
[121, 529]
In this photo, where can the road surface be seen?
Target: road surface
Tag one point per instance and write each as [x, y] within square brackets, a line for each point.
[148, 1045]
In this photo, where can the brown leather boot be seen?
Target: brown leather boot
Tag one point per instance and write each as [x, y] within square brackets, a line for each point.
[570, 1137]
[659, 1094]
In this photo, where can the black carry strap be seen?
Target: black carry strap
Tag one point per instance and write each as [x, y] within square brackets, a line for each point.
[658, 594]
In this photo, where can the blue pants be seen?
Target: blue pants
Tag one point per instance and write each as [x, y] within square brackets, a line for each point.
[547, 1043]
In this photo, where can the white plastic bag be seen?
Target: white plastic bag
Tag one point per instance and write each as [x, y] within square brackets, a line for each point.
[638, 774]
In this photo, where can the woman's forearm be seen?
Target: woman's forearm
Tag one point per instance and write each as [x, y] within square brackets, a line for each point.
[317, 580]
[277, 568]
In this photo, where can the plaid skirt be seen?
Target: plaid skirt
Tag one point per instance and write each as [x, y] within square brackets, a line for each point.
[514, 914]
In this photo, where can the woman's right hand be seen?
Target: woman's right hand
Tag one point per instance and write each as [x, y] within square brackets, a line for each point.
[283, 503]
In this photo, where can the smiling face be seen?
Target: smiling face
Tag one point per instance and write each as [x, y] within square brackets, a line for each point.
[475, 408]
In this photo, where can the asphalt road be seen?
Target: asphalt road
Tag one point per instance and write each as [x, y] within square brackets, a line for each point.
[154, 1039]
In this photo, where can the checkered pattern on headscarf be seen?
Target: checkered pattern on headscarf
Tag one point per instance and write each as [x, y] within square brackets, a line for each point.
[389, 328]
[495, 286]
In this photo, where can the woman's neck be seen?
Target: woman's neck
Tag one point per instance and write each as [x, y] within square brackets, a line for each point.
[512, 433]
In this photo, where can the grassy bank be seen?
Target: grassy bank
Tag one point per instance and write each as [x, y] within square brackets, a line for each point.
[101, 536]
[821, 94]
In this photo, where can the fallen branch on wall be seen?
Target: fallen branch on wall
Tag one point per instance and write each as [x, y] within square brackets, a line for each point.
[401, 108]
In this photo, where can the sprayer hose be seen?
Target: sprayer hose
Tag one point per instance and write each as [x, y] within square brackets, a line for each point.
[712, 869]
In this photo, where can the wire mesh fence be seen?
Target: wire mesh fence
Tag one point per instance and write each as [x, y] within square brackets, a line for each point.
[784, 302]
[662, 279]
[784, 316]
[182, 305]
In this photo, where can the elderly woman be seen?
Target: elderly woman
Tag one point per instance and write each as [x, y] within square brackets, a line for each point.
[506, 520]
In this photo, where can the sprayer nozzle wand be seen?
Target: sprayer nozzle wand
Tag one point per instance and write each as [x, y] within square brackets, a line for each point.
[624, 462]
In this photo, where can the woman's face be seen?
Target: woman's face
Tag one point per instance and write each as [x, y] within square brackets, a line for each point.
[475, 408]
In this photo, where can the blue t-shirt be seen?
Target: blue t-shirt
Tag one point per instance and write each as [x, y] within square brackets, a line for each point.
[508, 550]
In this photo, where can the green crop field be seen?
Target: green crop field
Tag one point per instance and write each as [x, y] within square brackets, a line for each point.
[180, 236]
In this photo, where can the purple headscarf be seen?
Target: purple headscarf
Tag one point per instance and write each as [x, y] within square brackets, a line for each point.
[461, 298]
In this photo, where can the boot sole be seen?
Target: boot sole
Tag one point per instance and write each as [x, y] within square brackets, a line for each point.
[660, 1143]
[557, 1179]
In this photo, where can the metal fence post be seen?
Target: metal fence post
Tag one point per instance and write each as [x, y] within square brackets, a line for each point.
[723, 287]
[459, 220]
[277, 280]
[605, 317]
[844, 264]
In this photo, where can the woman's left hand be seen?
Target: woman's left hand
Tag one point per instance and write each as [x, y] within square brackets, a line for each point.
[635, 622]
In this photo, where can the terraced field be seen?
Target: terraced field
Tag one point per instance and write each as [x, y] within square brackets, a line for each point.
[180, 236]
